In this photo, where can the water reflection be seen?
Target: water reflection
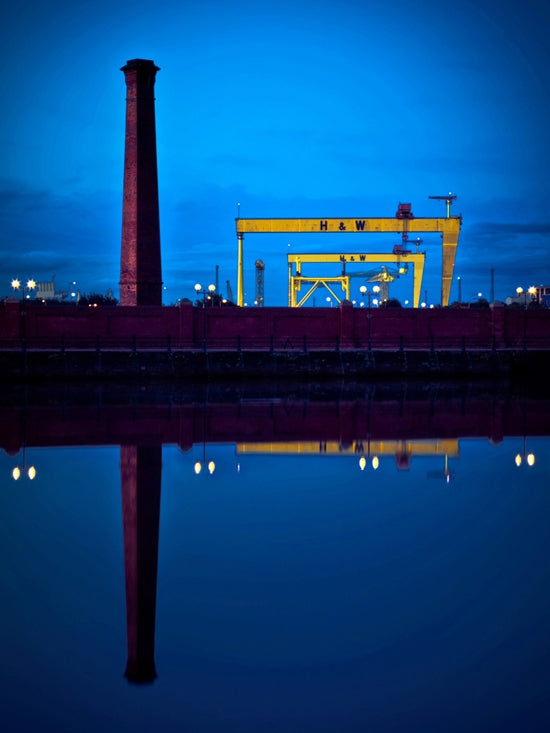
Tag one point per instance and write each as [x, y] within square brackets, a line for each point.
[370, 427]
[140, 475]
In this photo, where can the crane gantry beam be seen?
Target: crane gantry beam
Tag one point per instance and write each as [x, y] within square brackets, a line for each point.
[449, 227]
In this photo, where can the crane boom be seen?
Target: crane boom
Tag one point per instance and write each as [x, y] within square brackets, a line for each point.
[229, 291]
[449, 198]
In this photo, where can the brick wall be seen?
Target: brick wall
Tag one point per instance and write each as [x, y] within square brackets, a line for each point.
[279, 328]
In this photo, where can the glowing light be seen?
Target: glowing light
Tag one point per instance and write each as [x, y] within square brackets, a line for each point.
[362, 463]
[16, 473]
[531, 459]
[15, 283]
[31, 473]
[211, 467]
[198, 467]
[517, 460]
[375, 462]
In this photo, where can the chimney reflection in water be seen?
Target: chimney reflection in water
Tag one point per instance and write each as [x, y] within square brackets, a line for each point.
[140, 473]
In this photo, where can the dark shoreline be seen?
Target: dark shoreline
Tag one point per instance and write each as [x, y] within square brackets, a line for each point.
[153, 365]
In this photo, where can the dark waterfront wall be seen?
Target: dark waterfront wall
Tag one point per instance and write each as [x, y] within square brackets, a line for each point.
[185, 339]
[344, 327]
[43, 415]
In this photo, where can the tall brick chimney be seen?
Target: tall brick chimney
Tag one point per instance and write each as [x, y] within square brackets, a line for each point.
[140, 269]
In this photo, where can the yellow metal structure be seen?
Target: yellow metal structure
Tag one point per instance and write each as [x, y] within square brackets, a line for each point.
[438, 447]
[295, 280]
[449, 228]
[240, 276]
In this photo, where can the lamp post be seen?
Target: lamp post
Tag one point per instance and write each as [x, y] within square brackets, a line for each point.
[199, 464]
[529, 458]
[532, 291]
[23, 470]
[30, 285]
[363, 290]
[520, 292]
[205, 293]
[374, 462]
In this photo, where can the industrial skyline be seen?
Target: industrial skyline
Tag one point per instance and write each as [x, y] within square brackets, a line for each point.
[269, 110]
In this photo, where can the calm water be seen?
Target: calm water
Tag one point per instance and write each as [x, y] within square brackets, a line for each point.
[296, 590]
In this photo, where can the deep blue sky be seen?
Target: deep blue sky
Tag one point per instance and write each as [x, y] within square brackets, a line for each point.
[291, 108]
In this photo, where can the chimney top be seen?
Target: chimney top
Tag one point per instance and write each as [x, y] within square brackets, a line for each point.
[139, 64]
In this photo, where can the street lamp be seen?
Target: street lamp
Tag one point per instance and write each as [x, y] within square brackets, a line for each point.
[363, 290]
[532, 292]
[529, 458]
[374, 463]
[199, 464]
[211, 466]
[16, 285]
[23, 470]
[205, 293]
[520, 291]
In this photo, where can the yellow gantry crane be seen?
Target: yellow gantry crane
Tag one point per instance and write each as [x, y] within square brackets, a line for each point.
[296, 279]
[404, 222]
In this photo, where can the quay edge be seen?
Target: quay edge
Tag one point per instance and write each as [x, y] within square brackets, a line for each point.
[357, 364]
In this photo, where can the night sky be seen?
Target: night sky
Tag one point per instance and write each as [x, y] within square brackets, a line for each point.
[290, 108]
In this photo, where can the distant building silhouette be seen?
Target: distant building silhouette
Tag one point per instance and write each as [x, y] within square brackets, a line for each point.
[47, 291]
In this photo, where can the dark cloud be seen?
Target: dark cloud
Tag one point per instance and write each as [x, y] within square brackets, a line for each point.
[74, 237]
[510, 229]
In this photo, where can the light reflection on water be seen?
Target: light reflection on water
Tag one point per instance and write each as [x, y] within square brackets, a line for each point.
[297, 588]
